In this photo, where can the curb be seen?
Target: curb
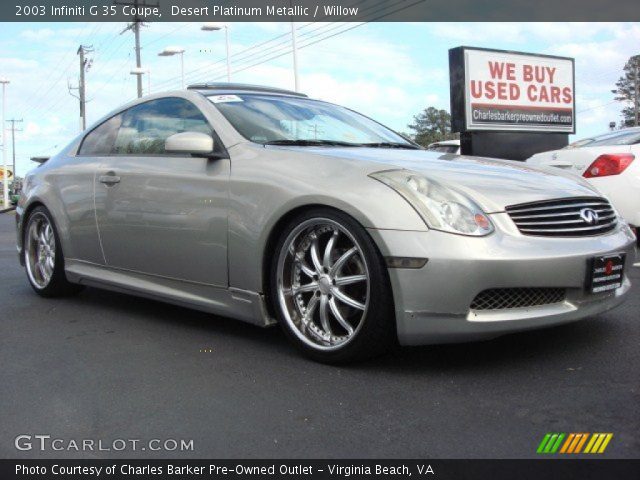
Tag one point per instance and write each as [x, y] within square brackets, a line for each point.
[5, 210]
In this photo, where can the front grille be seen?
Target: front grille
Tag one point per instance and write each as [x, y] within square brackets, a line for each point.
[564, 217]
[503, 298]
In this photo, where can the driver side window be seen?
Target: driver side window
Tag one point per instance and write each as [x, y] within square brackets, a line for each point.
[145, 127]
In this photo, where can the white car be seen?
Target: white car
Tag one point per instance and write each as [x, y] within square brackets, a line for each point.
[445, 146]
[610, 163]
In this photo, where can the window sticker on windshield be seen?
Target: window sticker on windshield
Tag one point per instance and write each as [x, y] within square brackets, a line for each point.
[225, 98]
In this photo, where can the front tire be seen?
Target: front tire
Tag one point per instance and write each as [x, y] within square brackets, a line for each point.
[43, 256]
[330, 288]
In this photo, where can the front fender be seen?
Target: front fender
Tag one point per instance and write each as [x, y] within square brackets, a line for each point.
[266, 185]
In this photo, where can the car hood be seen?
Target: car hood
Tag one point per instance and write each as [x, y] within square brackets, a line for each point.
[493, 184]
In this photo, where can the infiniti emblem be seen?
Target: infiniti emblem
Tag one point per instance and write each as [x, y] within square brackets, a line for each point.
[589, 216]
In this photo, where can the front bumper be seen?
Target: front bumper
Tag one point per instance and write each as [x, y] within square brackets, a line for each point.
[433, 303]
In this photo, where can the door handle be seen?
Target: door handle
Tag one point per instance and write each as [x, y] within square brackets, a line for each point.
[109, 179]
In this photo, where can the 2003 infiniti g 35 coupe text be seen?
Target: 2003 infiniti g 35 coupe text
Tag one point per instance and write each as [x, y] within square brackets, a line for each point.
[264, 205]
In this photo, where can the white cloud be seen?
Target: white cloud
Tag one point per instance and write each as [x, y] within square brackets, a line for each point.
[37, 35]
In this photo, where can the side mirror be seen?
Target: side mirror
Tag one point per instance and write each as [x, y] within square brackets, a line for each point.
[195, 143]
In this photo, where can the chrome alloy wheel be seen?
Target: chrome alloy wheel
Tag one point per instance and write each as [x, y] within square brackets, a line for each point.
[40, 250]
[323, 284]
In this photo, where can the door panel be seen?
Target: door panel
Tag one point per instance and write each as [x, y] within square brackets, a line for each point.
[166, 216]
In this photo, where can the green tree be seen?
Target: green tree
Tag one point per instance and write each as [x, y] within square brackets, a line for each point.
[432, 125]
[626, 90]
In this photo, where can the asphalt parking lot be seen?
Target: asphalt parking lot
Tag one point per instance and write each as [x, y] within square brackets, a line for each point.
[109, 366]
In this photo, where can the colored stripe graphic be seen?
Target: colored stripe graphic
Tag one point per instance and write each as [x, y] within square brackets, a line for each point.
[567, 443]
[550, 443]
[581, 442]
[543, 443]
[573, 443]
[598, 442]
[577, 437]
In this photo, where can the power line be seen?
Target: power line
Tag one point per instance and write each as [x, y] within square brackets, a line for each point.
[325, 38]
[596, 106]
[283, 48]
[37, 101]
[242, 57]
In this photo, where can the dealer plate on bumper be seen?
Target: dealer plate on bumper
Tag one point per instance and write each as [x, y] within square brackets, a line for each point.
[607, 273]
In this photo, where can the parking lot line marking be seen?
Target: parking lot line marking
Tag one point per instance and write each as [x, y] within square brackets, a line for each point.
[636, 264]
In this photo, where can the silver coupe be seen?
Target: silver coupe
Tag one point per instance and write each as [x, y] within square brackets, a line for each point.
[267, 206]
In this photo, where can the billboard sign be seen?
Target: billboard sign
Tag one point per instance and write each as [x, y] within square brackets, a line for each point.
[9, 174]
[496, 90]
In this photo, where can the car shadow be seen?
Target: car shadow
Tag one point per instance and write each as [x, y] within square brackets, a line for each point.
[513, 351]
[516, 350]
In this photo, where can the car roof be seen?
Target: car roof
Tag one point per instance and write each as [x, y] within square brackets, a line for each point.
[225, 88]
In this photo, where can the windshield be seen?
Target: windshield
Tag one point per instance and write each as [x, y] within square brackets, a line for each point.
[277, 119]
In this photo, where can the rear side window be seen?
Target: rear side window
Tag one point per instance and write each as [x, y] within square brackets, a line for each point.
[622, 138]
[444, 148]
[145, 127]
[101, 139]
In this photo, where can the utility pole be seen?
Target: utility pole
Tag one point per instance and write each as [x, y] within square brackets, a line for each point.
[636, 102]
[82, 90]
[85, 64]
[135, 27]
[13, 122]
[5, 182]
[294, 49]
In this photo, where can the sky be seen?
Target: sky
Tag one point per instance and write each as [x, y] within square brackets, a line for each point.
[388, 71]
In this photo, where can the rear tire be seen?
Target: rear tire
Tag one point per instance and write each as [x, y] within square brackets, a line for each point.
[330, 288]
[43, 257]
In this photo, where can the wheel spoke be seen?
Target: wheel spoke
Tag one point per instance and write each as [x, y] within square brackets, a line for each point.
[308, 271]
[311, 308]
[344, 298]
[350, 279]
[324, 317]
[342, 260]
[309, 287]
[326, 261]
[41, 238]
[47, 270]
[50, 263]
[40, 270]
[315, 254]
[338, 316]
[47, 234]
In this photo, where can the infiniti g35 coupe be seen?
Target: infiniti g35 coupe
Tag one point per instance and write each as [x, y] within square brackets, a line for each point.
[267, 206]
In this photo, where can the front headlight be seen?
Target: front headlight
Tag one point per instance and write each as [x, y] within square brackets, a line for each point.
[440, 207]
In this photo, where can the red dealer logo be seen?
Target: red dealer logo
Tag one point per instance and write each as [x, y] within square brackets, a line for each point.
[608, 268]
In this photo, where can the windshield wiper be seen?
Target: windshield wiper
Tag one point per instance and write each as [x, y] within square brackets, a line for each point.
[311, 143]
[407, 146]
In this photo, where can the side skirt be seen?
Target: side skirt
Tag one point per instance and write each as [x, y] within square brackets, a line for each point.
[235, 303]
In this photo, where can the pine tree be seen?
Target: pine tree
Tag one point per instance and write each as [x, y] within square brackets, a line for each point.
[626, 91]
[432, 125]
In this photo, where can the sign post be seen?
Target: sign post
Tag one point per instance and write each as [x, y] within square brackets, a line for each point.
[511, 104]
